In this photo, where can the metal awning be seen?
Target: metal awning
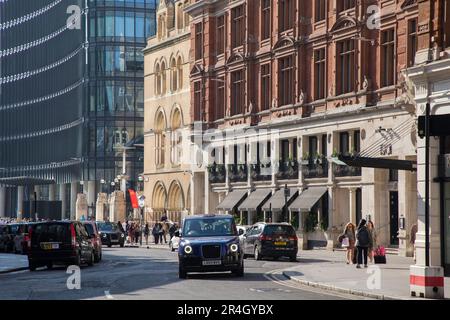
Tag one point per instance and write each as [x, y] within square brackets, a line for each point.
[255, 200]
[25, 181]
[307, 199]
[232, 200]
[379, 163]
[277, 201]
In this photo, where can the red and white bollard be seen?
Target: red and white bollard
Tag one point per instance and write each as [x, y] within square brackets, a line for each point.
[426, 282]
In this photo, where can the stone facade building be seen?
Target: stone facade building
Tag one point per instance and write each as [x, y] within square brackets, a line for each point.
[281, 88]
[167, 177]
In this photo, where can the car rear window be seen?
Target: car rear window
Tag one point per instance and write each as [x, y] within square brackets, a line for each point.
[107, 226]
[51, 233]
[89, 229]
[279, 230]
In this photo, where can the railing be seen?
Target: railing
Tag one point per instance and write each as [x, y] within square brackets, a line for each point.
[217, 173]
[261, 172]
[346, 171]
[288, 170]
[237, 172]
[315, 168]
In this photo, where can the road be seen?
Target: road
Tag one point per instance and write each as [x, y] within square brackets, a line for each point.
[140, 273]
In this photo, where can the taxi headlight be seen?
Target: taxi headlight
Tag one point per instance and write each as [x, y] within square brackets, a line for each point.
[188, 249]
[122, 235]
[234, 247]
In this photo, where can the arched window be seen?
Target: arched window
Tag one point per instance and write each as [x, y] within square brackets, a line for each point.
[173, 75]
[180, 73]
[163, 78]
[160, 137]
[157, 79]
[176, 145]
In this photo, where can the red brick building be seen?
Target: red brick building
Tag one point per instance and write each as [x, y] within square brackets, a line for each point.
[329, 76]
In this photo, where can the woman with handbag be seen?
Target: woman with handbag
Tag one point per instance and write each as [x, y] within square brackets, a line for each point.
[348, 241]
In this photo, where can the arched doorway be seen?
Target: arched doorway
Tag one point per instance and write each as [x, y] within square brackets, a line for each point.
[158, 203]
[176, 203]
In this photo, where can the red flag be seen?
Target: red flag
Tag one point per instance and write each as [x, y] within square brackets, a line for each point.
[134, 199]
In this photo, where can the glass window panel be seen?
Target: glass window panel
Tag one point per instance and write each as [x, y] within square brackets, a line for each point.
[109, 24]
[110, 96]
[129, 24]
[120, 24]
[100, 24]
[140, 25]
[100, 139]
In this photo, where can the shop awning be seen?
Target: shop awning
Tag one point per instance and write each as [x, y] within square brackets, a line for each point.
[277, 201]
[307, 199]
[379, 163]
[255, 200]
[232, 200]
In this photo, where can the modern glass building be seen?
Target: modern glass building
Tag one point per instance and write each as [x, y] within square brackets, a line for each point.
[71, 96]
[115, 100]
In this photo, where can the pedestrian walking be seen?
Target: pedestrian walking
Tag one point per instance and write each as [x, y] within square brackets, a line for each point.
[165, 228]
[363, 242]
[373, 244]
[146, 233]
[348, 241]
[161, 232]
[155, 232]
[137, 233]
[173, 228]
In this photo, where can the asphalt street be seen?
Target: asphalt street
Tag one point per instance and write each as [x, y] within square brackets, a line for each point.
[151, 274]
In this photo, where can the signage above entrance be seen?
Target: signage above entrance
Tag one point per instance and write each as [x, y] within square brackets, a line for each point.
[438, 125]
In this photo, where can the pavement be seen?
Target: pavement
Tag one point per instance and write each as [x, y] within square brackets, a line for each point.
[328, 270]
[318, 274]
[10, 262]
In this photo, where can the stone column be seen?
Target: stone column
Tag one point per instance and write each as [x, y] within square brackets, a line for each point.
[352, 205]
[101, 206]
[62, 198]
[73, 199]
[52, 192]
[2, 202]
[20, 190]
[91, 192]
[275, 158]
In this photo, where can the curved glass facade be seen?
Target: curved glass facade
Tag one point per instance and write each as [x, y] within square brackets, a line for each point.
[71, 88]
[41, 87]
[115, 100]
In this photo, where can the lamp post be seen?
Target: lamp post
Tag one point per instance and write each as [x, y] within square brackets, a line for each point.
[287, 193]
[141, 207]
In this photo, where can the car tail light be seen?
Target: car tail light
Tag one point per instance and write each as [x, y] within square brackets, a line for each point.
[73, 236]
[293, 238]
[263, 237]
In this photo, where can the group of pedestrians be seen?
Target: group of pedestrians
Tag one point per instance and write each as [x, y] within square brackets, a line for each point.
[132, 230]
[360, 242]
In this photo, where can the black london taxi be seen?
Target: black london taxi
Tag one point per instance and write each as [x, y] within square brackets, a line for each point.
[210, 243]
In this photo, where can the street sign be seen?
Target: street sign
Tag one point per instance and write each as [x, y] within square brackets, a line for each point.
[141, 201]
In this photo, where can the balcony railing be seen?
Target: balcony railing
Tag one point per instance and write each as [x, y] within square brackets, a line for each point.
[237, 172]
[261, 172]
[288, 170]
[346, 171]
[217, 173]
[315, 168]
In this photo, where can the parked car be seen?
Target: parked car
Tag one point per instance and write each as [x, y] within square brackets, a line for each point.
[91, 228]
[210, 243]
[21, 238]
[54, 242]
[111, 234]
[6, 243]
[271, 240]
[174, 243]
